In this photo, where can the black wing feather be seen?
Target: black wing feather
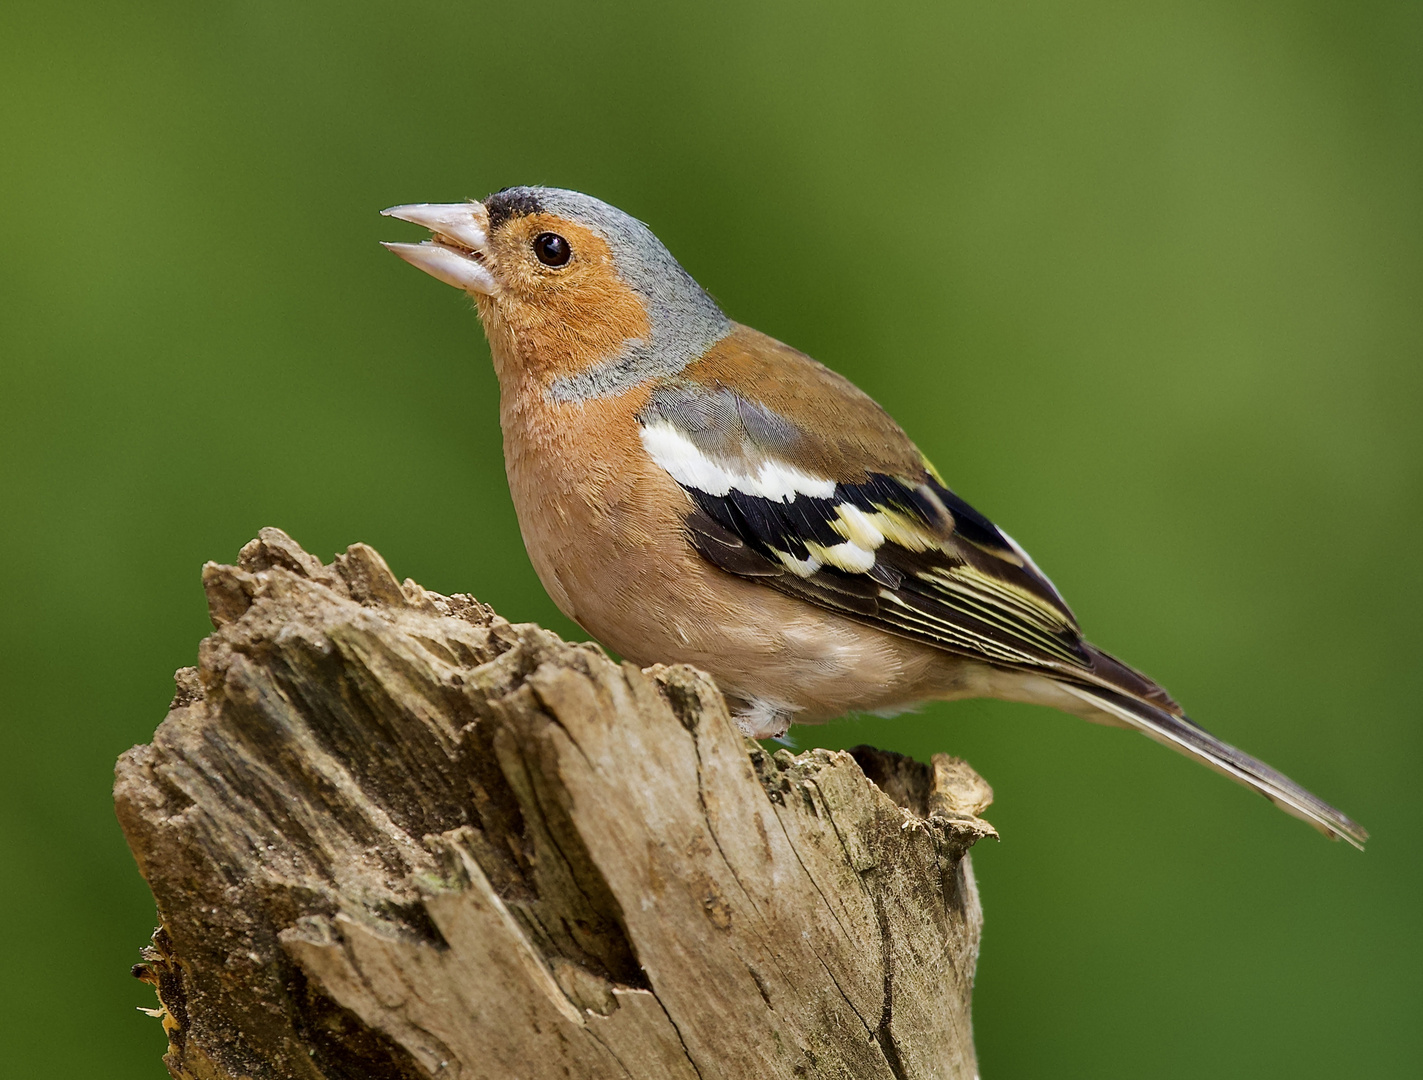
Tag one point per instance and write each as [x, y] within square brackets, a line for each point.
[945, 575]
[978, 597]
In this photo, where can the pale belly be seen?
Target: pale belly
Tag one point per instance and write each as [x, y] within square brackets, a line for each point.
[603, 527]
[607, 542]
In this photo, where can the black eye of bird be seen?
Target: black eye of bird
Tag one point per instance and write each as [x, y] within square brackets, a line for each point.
[552, 249]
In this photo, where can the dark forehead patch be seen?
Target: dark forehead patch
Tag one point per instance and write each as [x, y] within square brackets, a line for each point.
[510, 203]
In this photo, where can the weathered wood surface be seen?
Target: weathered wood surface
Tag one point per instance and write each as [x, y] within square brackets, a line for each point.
[393, 836]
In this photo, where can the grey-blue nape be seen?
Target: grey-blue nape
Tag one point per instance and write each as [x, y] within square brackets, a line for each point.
[684, 322]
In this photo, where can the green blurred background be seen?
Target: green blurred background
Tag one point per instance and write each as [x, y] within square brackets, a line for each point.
[1146, 281]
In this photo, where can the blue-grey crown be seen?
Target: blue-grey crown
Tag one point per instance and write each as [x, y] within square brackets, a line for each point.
[684, 321]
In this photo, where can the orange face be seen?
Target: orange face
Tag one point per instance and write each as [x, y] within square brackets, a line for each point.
[579, 299]
[560, 306]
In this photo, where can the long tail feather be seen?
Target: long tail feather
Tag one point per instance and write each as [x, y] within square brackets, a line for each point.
[1182, 734]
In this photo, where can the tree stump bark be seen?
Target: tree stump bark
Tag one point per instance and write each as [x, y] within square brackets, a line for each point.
[391, 835]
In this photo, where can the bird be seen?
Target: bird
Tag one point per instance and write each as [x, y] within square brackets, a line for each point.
[692, 490]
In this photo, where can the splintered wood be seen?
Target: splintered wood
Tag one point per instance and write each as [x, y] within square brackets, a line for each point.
[393, 836]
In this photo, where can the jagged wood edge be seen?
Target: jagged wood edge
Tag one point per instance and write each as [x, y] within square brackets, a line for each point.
[265, 969]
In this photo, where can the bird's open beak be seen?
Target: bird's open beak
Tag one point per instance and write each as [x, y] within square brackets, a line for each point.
[458, 252]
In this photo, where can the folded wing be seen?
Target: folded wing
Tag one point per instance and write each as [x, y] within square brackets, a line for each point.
[885, 542]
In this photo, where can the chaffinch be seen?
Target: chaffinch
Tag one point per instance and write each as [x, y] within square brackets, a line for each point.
[692, 490]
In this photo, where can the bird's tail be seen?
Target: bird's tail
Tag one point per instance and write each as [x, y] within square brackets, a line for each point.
[1154, 714]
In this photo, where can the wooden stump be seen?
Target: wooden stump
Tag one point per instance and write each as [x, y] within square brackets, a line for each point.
[391, 835]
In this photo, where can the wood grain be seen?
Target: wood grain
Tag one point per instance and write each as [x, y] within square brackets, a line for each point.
[392, 835]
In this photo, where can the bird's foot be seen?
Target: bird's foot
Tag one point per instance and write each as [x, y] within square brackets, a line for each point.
[762, 719]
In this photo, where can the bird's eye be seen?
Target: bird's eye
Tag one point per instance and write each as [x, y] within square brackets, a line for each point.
[552, 249]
